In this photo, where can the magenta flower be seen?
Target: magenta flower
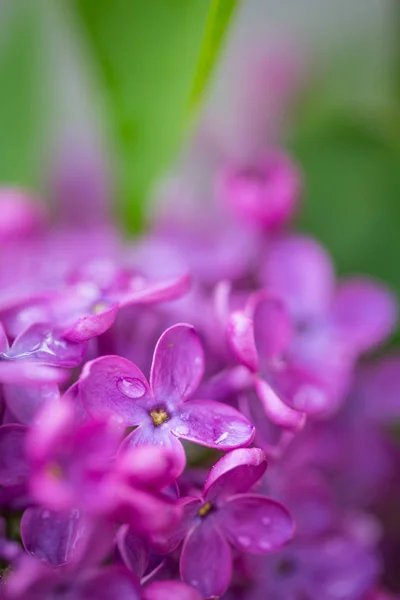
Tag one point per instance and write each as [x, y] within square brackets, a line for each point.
[161, 409]
[266, 193]
[86, 305]
[33, 580]
[224, 513]
[75, 467]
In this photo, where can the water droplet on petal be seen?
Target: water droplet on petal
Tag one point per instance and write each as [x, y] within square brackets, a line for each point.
[244, 541]
[266, 520]
[131, 387]
[221, 438]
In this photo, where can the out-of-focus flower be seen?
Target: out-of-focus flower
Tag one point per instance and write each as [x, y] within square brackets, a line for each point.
[266, 193]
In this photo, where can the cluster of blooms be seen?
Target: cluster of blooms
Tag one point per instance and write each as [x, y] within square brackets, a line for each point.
[146, 386]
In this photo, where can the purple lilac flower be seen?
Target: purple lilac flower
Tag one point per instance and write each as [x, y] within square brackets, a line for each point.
[88, 302]
[75, 467]
[265, 193]
[227, 512]
[111, 385]
[33, 580]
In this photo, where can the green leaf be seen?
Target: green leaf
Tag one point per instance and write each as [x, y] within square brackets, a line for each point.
[220, 14]
[20, 101]
[147, 53]
[352, 189]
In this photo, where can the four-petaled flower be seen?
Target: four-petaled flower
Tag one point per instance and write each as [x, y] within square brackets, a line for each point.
[227, 512]
[112, 385]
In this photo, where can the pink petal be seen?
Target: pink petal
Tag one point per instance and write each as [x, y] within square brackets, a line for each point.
[240, 332]
[300, 271]
[178, 364]
[25, 400]
[92, 325]
[255, 524]
[206, 561]
[365, 312]
[158, 291]
[113, 386]
[170, 590]
[213, 424]
[148, 435]
[146, 512]
[149, 466]
[280, 413]
[234, 473]
[272, 329]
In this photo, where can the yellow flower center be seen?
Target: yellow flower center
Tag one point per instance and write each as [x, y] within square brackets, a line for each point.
[159, 416]
[54, 470]
[99, 307]
[205, 509]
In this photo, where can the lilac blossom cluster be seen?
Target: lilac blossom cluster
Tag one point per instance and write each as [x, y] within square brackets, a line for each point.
[146, 387]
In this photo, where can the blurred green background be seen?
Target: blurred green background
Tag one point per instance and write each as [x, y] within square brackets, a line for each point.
[137, 61]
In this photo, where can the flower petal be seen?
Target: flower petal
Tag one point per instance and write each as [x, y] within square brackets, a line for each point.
[272, 329]
[300, 271]
[280, 413]
[240, 332]
[111, 582]
[214, 424]
[365, 312]
[157, 291]
[152, 467]
[170, 590]
[178, 364]
[166, 542]
[42, 343]
[91, 325]
[52, 537]
[14, 468]
[25, 400]
[148, 435]
[133, 550]
[4, 347]
[24, 371]
[255, 524]
[206, 561]
[113, 386]
[234, 473]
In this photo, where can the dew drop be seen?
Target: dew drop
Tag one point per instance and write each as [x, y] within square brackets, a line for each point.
[221, 438]
[244, 541]
[131, 387]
